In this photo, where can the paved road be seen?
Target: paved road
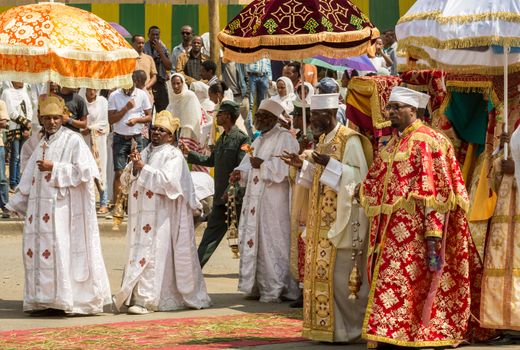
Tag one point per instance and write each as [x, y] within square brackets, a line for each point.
[221, 279]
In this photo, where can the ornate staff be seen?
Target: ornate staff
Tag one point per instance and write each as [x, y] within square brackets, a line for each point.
[232, 231]
[122, 196]
[354, 280]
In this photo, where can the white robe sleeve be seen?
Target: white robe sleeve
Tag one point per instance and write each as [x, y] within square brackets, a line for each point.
[353, 169]
[18, 202]
[305, 175]
[165, 180]
[274, 170]
[244, 167]
[82, 169]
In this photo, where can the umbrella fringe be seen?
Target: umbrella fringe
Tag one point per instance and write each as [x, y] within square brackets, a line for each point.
[101, 56]
[462, 19]
[282, 55]
[303, 39]
[459, 43]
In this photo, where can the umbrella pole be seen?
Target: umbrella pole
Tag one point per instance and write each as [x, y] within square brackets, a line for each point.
[304, 100]
[506, 102]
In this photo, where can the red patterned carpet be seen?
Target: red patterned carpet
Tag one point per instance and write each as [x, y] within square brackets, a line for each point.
[181, 333]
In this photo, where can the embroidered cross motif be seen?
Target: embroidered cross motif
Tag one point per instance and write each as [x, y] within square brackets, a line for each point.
[44, 147]
[253, 211]
[270, 25]
[29, 253]
[149, 194]
[147, 228]
[30, 219]
[46, 254]
[48, 177]
[256, 179]
[46, 217]
[250, 243]
[311, 26]
[135, 194]
[142, 262]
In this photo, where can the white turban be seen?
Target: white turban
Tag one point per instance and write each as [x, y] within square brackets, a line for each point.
[325, 101]
[271, 106]
[410, 97]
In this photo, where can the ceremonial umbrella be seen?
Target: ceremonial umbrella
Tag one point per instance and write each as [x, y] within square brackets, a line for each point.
[362, 63]
[121, 30]
[72, 47]
[465, 36]
[298, 29]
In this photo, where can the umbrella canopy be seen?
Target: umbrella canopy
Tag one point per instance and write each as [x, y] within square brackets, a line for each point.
[460, 35]
[121, 30]
[298, 29]
[54, 42]
[362, 63]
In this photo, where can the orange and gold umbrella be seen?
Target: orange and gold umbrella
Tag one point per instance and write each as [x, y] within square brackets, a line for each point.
[72, 47]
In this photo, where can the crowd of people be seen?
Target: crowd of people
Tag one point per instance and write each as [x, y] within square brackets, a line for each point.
[373, 244]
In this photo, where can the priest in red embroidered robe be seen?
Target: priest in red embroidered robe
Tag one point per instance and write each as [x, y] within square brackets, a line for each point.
[64, 268]
[421, 258]
[265, 224]
[162, 272]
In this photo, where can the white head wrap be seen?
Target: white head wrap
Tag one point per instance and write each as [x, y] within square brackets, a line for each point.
[325, 101]
[271, 106]
[185, 106]
[409, 96]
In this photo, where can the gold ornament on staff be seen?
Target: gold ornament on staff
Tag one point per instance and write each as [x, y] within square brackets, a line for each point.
[122, 195]
[231, 220]
[354, 280]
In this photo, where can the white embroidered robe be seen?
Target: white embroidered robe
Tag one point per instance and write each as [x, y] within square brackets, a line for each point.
[265, 223]
[162, 272]
[64, 267]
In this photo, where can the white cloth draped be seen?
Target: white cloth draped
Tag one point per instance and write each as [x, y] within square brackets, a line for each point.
[64, 267]
[97, 122]
[201, 91]
[264, 228]
[187, 108]
[163, 271]
[287, 100]
[13, 99]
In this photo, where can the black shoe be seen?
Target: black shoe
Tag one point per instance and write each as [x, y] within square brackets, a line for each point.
[297, 303]
[504, 340]
[5, 214]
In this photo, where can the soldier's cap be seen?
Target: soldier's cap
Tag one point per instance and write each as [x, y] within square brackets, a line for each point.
[229, 106]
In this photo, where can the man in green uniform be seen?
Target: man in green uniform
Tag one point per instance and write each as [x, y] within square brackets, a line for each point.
[225, 157]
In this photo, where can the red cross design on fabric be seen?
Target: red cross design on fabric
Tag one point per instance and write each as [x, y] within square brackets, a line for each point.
[253, 211]
[29, 253]
[149, 194]
[46, 217]
[135, 194]
[30, 219]
[142, 262]
[256, 179]
[250, 243]
[46, 254]
[147, 228]
[48, 177]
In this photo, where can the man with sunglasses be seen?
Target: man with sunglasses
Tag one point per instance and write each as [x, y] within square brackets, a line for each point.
[421, 257]
[184, 46]
[162, 272]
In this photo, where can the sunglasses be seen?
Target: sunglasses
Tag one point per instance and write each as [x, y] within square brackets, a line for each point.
[185, 33]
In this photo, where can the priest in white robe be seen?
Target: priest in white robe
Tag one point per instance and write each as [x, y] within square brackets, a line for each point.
[337, 227]
[64, 268]
[265, 225]
[162, 272]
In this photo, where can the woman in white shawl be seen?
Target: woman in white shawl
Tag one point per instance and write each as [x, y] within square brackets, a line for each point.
[185, 105]
[286, 96]
[96, 136]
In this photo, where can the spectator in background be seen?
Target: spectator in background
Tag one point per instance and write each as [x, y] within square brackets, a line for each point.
[19, 110]
[184, 46]
[189, 63]
[259, 78]
[156, 48]
[310, 73]
[390, 49]
[76, 119]
[381, 59]
[128, 110]
[4, 189]
[208, 72]
[145, 63]
[292, 71]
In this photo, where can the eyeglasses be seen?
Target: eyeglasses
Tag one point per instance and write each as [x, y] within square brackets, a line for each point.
[393, 107]
[185, 33]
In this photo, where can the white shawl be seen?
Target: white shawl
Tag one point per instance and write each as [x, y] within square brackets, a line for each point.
[186, 107]
[287, 100]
